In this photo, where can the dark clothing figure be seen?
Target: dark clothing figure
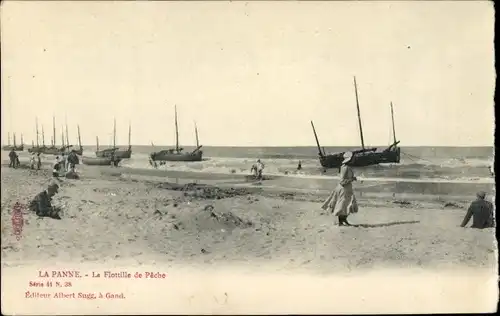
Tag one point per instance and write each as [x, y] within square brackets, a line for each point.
[57, 168]
[42, 203]
[39, 162]
[73, 160]
[14, 159]
[481, 212]
[299, 167]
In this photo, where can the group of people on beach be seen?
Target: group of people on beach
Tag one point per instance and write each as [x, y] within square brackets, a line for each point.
[66, 165]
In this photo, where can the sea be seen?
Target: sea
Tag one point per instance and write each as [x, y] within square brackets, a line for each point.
[423, 163]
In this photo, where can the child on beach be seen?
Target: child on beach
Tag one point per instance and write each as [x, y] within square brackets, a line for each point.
[39, 162]
[32, 161]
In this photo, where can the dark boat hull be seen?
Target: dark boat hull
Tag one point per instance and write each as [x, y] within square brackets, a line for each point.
[123, 154]
[52, 151]
[97, 161]
[166, 155]
[36, 150]
[362, 158]
[16, 148]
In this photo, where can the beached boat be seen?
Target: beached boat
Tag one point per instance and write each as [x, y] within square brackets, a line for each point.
[177, 154]
[123, 154]
[79, 151]
[99, 161]
[14, 146]
[108, 152]
[53, 149]
[364, 156]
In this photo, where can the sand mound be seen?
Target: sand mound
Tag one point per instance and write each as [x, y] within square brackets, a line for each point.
[204, 192]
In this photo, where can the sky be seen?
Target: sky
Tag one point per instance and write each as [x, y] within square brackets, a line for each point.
[250, 74]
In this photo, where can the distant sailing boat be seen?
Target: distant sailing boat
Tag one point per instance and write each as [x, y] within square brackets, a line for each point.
[14, 146]
[176, 154]
[53, 150]
[108, 151]
[126, 154]
[105, 156]
[365, 156]
[122, 154]
[8, 146]
[38, 148]
[79, 151]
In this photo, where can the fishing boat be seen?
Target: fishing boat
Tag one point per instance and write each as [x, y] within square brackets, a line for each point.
[106, 160]
[364, 156]
[38, 148]
[108, 152]
[14, 146]
[53, 149]
[177, 154]
[66, 145]
[79, 151]
[127, 153]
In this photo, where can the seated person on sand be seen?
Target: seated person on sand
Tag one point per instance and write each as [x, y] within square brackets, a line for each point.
[42, 203]
[71, 174]
[57, 168]
[481, 212]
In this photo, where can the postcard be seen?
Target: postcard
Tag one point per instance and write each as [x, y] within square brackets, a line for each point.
[248, 157]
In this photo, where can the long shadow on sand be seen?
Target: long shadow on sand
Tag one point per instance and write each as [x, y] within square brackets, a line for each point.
[384, 224]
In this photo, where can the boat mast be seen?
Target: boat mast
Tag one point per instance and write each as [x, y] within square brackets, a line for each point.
[36, 121]
[393, 125]
[14, 139]
[359, 115]
[67, 135]
[8, 138]
[79, 138]
[54, 126]
[62, 138]
[43, 137]
[22, 140]
[97, 142]
[114, 134]
[176, 132]
[317, 141]
[196, 133]
[129, 136]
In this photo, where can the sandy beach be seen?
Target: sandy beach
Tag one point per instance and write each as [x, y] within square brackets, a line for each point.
[114, 214]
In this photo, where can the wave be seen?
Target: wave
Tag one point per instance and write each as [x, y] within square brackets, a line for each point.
[440, 171]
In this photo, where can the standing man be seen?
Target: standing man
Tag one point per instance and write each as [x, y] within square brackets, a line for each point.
[13, 158]
[481, 212]
[257, 169]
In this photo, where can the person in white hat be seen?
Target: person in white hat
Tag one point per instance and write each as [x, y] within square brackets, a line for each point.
[342, 201]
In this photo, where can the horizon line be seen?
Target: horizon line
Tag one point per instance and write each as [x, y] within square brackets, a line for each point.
[276, 146]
